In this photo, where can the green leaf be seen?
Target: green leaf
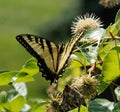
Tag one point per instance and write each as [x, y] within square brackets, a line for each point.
[41, 107]
[90, 44]
[117, 107]
[3, 97]
[116, 26]
[82, 109]
[24, 77]
[104, 50]
[6, 77]
[1, 108]
[117, 18]
[28, 70]
[111, 65]
[2, 71]
[102, 85]
[100, 105]
[16, 104]
[12, 101]
[30, 67]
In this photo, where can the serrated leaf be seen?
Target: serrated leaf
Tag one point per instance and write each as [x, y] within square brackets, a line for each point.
[100, 105]
[111, 65]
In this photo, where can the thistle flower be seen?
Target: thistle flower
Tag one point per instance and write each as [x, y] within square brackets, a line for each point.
[55, 97]
[109, 3]
[84, 23]
[86, 85]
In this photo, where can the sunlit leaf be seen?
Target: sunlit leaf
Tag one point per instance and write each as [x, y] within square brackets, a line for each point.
[82, 109]
[6, 77]
[24, 77]
[1, 108]
[41, 107]
[111, 65]
[30, 67]
[16, 104]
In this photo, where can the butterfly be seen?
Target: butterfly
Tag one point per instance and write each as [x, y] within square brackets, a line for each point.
[52, 59]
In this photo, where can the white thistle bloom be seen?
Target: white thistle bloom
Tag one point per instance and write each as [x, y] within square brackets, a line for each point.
[85, 22]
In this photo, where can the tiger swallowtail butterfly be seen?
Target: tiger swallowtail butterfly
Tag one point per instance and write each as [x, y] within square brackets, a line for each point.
[52, 59]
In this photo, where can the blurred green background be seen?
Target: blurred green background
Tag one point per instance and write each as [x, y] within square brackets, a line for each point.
[50, 19]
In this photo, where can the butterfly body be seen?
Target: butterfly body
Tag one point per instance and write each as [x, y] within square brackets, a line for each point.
[52, 59]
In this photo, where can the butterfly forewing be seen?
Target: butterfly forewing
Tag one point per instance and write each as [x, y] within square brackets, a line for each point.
[45, 51]
[67, 51]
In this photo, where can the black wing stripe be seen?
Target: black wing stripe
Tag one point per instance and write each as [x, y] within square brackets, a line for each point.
[41, 42]
[29, 37]
[27, 46]
[36, 40]
[50, 48]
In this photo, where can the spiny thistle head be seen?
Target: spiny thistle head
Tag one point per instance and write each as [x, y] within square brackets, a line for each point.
[109, 3]
[86, 85]
[84, 23]
[55, 97]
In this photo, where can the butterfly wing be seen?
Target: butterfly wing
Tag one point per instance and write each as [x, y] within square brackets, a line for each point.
[64, 53]
[44, 51]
